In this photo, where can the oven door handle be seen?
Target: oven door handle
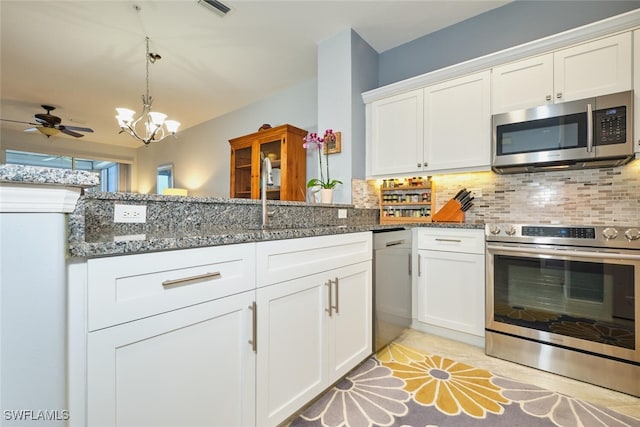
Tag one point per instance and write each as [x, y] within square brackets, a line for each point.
[590, 253]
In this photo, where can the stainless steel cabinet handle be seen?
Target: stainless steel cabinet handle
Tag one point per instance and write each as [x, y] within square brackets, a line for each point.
[419, 165]
[337, 306]
[559, 95]
[394, 243]
[409, 264]
[589, 128]
[330, 307]
[548, 97]
[191, 279]
[419, 262]
[448, 240]
[254, 334]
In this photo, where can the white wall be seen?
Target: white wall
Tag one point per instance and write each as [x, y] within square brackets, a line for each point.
[201, 154]
[347, 66]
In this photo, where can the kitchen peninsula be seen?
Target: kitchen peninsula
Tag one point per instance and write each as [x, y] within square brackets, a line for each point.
[144, 295]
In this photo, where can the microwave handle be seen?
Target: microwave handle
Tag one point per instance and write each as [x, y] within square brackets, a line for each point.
[589, 128]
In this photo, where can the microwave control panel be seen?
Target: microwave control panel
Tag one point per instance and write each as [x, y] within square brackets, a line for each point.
[610, 126]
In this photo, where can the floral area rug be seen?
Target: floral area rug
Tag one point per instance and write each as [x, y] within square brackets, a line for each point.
[404, 387]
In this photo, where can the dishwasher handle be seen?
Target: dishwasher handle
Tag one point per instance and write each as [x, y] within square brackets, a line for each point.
[395, 243]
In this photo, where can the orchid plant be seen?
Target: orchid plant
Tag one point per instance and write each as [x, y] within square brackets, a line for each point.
[312, 141]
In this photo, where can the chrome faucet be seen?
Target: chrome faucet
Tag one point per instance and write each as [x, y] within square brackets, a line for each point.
[266, 180]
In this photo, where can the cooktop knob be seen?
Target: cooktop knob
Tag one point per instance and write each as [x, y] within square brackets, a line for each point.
[632, 234]
[494, 229]
[610, 233]
[510, 230]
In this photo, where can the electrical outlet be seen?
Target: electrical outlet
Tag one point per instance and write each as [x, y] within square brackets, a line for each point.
[476, 192]
[342, 213]
[130, 213]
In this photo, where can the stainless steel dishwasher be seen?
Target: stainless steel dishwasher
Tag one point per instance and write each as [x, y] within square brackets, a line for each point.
[391, 284]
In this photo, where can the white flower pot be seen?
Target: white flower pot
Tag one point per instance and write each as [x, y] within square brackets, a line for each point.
[326, 195]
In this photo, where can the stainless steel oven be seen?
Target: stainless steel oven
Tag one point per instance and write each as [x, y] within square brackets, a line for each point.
[564, 299]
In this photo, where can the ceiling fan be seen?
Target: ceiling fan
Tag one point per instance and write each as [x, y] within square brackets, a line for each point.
[49, 125]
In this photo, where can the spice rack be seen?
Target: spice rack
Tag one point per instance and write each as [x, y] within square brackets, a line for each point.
[408, 200]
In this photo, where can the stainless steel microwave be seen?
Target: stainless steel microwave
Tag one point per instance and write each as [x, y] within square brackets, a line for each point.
[589, 133]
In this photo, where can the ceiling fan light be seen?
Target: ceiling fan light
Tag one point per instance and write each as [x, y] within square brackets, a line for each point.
[172, 126]
[48, 131]
[157, 118]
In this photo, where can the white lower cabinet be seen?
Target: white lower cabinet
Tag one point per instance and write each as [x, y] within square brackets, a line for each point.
[450, 281]
[313, 329]
[190, 367]
[183, 338]
[167, 337]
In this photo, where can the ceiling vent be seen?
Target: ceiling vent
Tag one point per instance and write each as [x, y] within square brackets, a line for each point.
[216, 6]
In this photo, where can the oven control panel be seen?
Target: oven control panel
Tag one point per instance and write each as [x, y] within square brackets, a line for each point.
[593, 236]
[566, 232]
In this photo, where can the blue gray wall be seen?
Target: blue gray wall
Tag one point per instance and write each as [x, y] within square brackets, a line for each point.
[507, 26]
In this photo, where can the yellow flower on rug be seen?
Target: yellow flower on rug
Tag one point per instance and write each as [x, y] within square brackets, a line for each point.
[452, 387]
[398, 353]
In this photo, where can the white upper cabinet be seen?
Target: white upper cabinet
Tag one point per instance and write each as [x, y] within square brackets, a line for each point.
[593, 69]
[509, 93]
[590, 69]
[457, 124]
[636, 85]
[446, 126]
[395, 134]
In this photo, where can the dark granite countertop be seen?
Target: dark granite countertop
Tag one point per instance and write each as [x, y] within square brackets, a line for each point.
[175, 222]
[49, 176]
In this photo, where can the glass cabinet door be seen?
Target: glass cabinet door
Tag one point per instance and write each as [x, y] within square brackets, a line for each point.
[273, 150]
[242, 173]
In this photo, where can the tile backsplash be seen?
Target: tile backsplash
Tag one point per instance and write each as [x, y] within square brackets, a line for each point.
[592, 196]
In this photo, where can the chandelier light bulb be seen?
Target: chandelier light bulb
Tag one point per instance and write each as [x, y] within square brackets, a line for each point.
[157, 118]
[172, 126]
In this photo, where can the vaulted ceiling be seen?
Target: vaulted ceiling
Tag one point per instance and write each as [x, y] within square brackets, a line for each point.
[87, 57]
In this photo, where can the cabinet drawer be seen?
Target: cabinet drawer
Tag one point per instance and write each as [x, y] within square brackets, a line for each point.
[282, 260]
[451, 240]
[130, 287]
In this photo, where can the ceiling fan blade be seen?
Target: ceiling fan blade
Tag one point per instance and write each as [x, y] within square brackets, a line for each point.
[31, 130]
[64, 129]
[18, 121]
[81, 129]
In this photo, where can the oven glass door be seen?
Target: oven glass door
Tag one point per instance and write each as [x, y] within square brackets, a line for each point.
[577, 300]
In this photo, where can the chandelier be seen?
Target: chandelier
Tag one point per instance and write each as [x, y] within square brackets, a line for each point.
[149, 126]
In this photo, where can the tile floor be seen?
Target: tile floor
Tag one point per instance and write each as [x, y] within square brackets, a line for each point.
[461, 352]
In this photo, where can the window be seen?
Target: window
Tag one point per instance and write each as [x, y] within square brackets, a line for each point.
[113, 176]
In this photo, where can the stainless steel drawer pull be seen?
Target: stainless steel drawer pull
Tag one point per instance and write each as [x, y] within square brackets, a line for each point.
[191, 279]
[394, 243]
[254, 338]
[448, 240]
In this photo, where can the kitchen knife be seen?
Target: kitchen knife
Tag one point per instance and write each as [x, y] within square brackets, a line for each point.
[456, 197]
[467, 198]
[466, 206]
